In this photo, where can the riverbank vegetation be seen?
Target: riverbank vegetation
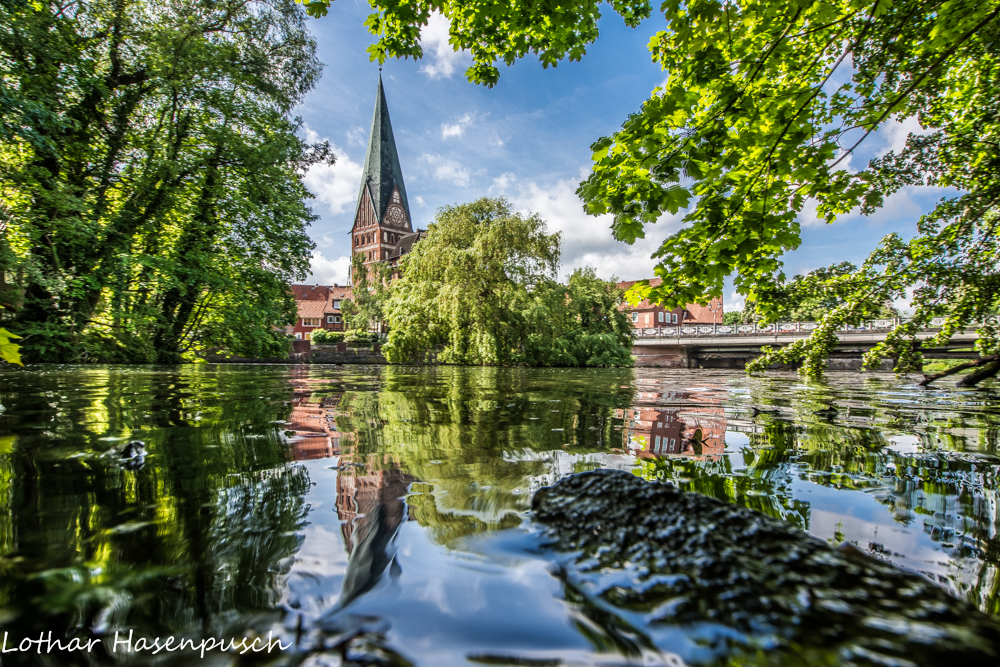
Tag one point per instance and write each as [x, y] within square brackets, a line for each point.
[481, 289]
[762, 109]
[151, 176]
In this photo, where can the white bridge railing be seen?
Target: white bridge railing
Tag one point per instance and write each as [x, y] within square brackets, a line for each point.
[776, 328]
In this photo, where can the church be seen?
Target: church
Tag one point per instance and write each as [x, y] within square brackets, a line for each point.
[383, 227]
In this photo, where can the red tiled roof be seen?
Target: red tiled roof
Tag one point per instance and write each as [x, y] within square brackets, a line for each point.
[310, 292]
[340, 293]
[626, 284]
[311, 308]
[317, 300]
[695, 313]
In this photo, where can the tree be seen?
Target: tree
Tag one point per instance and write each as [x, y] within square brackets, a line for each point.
[811, 297]
[480, 289]
[370, 287]
[463, 287]
[763, 106]
[151, 175]
[577, 324]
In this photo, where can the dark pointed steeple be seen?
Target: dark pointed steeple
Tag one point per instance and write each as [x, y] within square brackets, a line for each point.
[382, 174]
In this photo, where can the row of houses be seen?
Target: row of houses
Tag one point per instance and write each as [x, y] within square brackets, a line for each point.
[319, 307]
[646, 315]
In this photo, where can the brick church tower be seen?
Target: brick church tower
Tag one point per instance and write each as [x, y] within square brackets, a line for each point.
[382, 217]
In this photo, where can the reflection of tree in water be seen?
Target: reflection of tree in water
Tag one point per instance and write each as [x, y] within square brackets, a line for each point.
[469, 435]
[189, 543]
[837, 438]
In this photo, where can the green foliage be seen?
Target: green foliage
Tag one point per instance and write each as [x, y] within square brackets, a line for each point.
[480, 290]
[151, 175]
[464, 286]
[327, 337]
[370, 286]
[9, 351]
[361, 339]
[764, 103]
[732, 317]
[811, 297]
[577, 324]
[349, 311]
[493, 32]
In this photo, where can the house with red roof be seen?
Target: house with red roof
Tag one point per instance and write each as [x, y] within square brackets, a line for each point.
[646, 315]
[318, 308]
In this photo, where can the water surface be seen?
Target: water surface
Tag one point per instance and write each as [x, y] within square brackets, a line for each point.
[380, 515]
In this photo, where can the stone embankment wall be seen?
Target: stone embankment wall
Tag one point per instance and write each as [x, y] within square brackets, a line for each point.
[341, 354]
[311, 354]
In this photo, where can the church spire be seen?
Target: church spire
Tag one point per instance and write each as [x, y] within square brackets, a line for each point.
[382, 175]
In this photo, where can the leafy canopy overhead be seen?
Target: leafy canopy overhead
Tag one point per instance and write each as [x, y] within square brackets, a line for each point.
[764, 104]
[492, 31]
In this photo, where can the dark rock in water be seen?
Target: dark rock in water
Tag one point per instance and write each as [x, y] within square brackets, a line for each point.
[131, 455]
[793, 597]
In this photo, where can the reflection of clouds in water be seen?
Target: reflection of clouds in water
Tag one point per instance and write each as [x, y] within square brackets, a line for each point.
[904, 444]
[831, 511]
[482, 444]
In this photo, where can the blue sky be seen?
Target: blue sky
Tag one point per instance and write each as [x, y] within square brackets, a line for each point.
[528, 139]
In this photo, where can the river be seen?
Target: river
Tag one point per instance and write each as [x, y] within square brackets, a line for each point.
[380, 515]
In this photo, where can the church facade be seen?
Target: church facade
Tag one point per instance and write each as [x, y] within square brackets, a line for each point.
[383, 228]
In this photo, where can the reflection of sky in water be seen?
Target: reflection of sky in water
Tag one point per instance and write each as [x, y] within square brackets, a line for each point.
[492, 594]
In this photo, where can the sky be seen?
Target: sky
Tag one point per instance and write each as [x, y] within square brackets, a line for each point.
[528, 138]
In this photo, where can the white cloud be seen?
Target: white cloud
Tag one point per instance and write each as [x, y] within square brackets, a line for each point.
[447, 170]
[734, 301]
[443, 60]
[503, 182]
[335, 185]
[586, 239]
[420, 200]
[900, 204]
[356, 136]
[456, 129]
[808, 216]
[895, 133]
[326, 271]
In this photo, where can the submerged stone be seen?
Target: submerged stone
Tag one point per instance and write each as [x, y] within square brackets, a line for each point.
[692, 560]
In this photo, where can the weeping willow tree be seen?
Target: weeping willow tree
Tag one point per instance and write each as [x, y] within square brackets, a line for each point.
[151, 175]
[480, 289]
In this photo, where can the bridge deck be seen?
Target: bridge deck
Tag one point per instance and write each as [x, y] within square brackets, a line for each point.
[757, 339]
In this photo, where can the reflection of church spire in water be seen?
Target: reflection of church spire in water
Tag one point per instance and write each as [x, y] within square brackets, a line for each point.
[371, 509]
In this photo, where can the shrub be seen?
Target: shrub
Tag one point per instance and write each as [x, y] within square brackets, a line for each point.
[324, 337]
[360, 339]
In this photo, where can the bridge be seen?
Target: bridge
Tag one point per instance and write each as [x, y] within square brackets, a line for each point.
[732, 346]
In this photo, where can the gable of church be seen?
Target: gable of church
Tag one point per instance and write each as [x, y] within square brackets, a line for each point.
[395, 215]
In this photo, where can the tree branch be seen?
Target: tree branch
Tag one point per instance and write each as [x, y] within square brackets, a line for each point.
[961, 367]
